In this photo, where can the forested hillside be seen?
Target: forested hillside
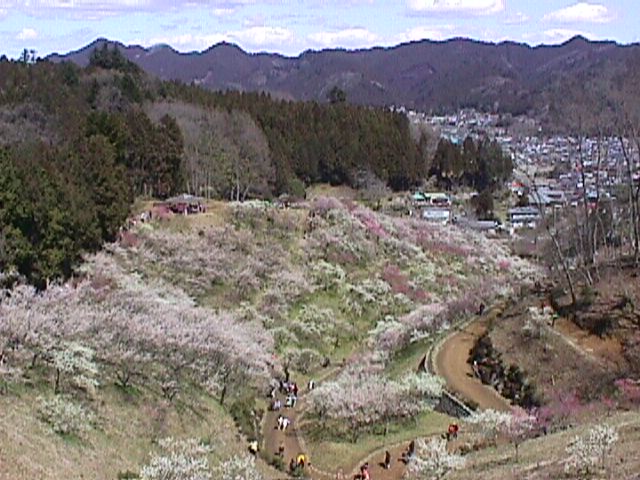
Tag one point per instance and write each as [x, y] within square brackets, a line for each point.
[77, 145]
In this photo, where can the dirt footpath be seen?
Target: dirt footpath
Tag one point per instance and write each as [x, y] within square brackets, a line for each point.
[451, 364]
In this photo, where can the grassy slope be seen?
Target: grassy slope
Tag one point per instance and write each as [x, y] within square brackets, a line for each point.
[543, 457]
[122, 440]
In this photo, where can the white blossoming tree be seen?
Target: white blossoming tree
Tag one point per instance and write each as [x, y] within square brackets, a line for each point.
[586, 452]
[516, 426]
[519, 428]
[432, 461]
[76, 361]
[361, 397]
[179, 460]
[238, 467]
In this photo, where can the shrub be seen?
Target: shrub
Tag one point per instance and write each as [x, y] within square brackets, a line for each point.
[306, 360]
[278, 463]
[536, 322]
[128, 475]
[179, 460]
[238, 468]
[246, 416]
[587, 296]
[65, 416]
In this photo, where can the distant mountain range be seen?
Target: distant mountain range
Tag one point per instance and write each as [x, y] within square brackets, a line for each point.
[424, 75]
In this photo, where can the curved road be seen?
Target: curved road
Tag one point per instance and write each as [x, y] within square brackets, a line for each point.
[451, 364]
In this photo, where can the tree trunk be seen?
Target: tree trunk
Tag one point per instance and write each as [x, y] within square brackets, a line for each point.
[223, 393]
[56, 387]
[558, 249]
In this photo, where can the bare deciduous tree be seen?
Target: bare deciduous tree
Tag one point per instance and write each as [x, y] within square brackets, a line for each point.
[226, 153]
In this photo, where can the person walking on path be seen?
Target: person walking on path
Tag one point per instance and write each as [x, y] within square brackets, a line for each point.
[280, 422]
[387, 460]
[411, 451]
[364, 472]
[452, 431]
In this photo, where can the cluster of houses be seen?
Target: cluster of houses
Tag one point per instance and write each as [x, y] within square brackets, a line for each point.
[558, 171]
[434, 207]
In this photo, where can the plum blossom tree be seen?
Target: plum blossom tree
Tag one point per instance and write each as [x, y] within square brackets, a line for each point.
[361, 397]
[76, 361]
[587, 451]
[432, 460]
[516, 426]
[490, 422]
[179, 460]
[519, 428]
[238, 467]
[150, 322]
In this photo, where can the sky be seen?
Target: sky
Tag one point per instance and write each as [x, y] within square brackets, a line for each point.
[290, 27]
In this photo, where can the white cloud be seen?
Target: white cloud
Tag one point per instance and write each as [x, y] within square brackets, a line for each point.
[581, 12]
[348, 37]
[517, 18]
[263, 36]
[440, 32]
[27, 34]
[248, 38]
[471, 7]
[185, 41]
[560, 35]
[95, 9]
[223, 11]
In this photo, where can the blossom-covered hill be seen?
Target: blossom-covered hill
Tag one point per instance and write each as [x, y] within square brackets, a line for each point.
[193, 318]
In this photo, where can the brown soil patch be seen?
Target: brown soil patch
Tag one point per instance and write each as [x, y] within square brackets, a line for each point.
[607, 350]
[555, 361]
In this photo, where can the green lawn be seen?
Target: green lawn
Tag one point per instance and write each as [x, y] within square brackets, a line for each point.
[408, 359]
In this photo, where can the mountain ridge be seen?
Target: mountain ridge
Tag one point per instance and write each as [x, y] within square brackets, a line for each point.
[425, 75]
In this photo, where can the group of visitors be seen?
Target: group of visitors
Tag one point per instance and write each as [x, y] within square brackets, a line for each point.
[290, 389]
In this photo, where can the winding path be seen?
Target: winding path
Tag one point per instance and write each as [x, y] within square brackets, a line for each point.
[448, 359]
[450, 362]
